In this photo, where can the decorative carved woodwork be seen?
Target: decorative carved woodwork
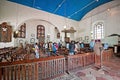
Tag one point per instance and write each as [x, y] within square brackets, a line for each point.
[5, 32]
[71, 30]
[67, 39]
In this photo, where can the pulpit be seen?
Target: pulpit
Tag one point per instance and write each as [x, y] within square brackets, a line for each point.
[71, 30]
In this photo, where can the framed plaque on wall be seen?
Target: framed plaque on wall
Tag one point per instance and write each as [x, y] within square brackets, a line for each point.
[5, 32]
[32, 40]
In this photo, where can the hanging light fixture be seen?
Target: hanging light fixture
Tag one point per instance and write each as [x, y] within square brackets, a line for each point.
[91, 27]
[16, 32]
[65, 26]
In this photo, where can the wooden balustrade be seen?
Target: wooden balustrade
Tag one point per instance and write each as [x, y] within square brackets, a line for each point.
[46, 68]
[89, 58]
[37, 69]
[107, 54]
[80, 60]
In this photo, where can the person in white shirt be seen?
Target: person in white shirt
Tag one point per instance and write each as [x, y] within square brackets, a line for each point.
[76, 47]
[36, 50]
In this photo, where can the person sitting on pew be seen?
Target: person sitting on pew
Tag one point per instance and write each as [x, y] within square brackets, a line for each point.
[19, 53]
[106, 46]
[27, 48]
[82, 48]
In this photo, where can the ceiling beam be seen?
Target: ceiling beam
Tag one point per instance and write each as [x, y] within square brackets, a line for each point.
[82, 8]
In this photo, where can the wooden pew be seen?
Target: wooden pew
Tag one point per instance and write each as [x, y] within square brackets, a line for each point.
[35, 69]
[5, 53]
[80, 60]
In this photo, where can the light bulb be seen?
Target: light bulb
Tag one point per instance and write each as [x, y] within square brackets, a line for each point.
[16, 31]
[108, 9]
[65, 27]
[97, 0]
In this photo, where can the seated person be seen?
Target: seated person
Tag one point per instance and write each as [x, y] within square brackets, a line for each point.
[82, 48]
[106, 46]
[82, 45]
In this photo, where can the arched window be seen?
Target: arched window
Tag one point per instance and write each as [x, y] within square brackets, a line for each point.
[22, 31]
[97, 31]
[41, 33]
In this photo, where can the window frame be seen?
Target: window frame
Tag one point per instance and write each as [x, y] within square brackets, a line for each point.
[95, 31]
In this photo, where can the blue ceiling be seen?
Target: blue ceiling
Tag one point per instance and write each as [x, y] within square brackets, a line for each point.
[73, 9]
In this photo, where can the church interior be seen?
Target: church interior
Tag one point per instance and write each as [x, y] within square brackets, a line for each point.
[59, 40]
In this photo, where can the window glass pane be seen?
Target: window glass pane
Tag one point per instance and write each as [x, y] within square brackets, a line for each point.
[97, 31]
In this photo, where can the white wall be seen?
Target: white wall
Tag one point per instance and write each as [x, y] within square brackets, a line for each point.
[16, 14]
[110, 18]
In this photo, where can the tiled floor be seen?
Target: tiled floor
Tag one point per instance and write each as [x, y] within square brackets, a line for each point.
[109, 71]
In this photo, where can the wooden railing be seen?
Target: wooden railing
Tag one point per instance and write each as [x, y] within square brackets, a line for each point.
[80, 60]
[46, 68]
[107, 54]
[37, 69]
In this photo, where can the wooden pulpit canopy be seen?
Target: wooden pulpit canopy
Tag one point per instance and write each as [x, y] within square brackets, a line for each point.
[71, 30]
